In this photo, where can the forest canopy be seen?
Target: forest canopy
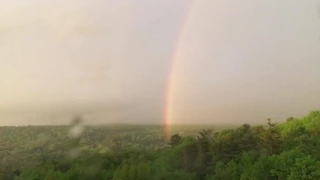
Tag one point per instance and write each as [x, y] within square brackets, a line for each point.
[288, 150]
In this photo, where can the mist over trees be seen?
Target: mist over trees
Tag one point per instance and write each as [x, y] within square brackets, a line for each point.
[285, 151]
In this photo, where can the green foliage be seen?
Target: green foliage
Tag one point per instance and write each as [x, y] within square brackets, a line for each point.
[229, 145]
[175, 140]
[260, 170]
[53, 175]
[285, 151]
[271, 139]
[290, 119]
[281, 163]
[305, 168]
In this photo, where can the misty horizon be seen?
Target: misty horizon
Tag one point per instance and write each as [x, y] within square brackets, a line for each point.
[110, 61]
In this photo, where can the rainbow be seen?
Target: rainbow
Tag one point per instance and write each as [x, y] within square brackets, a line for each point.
[170, 89]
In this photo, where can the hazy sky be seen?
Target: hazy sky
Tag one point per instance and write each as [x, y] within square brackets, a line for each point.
[242, 61]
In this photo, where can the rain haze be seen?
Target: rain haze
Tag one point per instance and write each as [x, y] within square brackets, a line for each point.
[236, 61]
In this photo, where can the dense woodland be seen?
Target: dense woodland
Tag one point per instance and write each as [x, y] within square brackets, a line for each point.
[283, 151]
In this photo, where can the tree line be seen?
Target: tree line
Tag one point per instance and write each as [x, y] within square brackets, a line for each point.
[273, 151]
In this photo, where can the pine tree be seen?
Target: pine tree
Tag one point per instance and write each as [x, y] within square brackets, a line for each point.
[270, 139]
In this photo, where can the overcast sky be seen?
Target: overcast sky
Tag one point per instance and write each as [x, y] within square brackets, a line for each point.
[240, 61]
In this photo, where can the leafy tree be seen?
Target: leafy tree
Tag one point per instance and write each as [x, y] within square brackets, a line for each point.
[206, 136]
[175, 140]
[231, 144]
[204, 157]
[305, 168]
[290, 119]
